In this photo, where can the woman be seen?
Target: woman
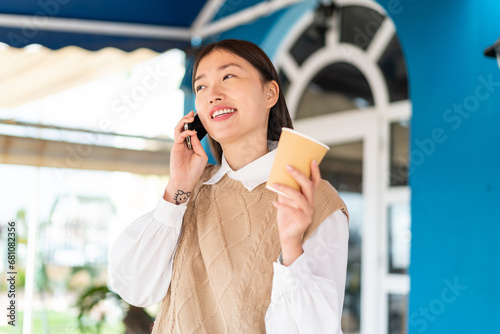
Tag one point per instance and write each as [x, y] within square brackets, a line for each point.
[223, 253]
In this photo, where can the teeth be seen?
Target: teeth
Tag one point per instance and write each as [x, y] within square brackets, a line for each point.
[222, 112]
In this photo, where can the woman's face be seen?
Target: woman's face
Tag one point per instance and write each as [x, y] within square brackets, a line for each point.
[231, 99]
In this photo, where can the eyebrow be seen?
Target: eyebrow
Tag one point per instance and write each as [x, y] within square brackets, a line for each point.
[223, 67]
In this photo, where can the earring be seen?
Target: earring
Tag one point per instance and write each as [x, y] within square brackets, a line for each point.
[268, 94]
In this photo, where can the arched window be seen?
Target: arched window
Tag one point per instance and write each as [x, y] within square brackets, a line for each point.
[346, 84]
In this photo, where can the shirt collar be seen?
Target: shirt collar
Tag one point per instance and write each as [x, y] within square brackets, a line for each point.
[251, 175]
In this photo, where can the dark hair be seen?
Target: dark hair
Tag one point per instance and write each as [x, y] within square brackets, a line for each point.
[278, 116]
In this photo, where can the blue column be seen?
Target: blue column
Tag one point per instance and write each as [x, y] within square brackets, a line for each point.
[455, 163]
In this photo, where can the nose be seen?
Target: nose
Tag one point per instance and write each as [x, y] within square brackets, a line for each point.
[215, 94]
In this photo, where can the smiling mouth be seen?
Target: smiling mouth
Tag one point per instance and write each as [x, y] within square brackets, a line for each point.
[222, 112]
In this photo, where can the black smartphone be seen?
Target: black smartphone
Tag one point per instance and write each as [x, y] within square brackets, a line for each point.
[195, 125]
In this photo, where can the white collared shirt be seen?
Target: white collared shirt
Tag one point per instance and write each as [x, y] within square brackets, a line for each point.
[251, 175]
[307, 296]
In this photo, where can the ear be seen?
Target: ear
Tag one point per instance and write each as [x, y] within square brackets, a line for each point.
[272, 91]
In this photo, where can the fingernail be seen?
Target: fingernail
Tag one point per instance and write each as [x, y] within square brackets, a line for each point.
[288, 167]
[315, 163]
[276, 185]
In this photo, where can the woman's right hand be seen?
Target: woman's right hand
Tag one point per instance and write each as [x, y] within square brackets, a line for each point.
[186, 166]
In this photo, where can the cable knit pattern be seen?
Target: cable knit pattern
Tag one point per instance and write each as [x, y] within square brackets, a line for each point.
[223, 267]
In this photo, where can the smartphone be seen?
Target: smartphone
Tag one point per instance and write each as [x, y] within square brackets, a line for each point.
[195, 125]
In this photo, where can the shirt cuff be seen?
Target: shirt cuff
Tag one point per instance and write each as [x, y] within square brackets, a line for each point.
[169, 214]
[292, 277]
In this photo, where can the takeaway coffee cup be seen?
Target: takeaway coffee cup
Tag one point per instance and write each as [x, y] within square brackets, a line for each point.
[296, 150]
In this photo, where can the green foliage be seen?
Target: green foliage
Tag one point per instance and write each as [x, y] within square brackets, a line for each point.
[93, 272]
[42, 278]
[86, 304]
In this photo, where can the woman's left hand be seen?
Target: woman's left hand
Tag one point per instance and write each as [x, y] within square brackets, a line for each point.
[295, 213]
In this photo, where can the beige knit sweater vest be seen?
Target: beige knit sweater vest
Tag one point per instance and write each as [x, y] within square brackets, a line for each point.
[223, 268]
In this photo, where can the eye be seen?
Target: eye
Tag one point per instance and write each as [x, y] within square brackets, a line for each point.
[227, 76]
[199, 87]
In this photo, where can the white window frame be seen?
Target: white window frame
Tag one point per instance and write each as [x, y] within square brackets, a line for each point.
[371, 126]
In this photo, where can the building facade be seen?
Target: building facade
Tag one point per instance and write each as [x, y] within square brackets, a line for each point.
[359, 79]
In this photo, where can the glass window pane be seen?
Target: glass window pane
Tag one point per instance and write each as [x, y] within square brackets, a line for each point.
[399, 224]
[398, 305]
[78, 214]
[359, 25]
[393, 65]
[399, 153]
[338, 87]
[285, 82]
[342, 167]
[311, 40]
